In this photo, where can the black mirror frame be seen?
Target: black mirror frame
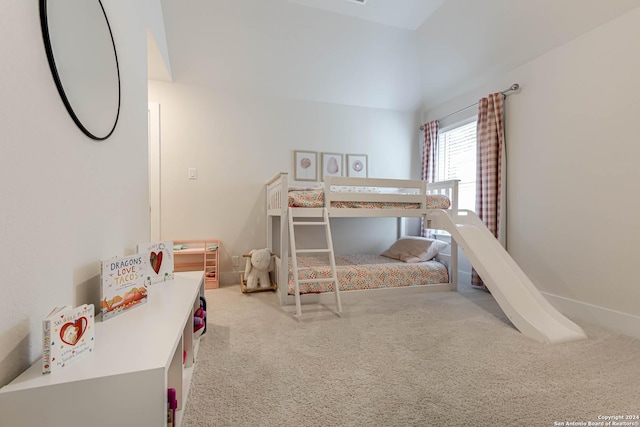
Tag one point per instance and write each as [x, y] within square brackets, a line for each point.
[56, 77]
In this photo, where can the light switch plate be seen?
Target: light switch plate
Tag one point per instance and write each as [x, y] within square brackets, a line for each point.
[193, 173]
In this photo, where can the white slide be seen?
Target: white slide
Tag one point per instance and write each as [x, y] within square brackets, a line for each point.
[520, 300]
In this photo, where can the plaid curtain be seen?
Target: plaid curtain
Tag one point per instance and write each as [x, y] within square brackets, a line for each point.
[429, 151]
[430, 148]
[491, 170]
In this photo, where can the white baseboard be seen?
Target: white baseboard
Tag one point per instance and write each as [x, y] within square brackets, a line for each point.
[627, 324]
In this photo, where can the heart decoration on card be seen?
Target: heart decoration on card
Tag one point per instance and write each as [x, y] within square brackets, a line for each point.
[156, 260]
[71, 332]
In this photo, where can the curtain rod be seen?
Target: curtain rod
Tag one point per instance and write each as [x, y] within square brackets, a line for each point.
[514, 87]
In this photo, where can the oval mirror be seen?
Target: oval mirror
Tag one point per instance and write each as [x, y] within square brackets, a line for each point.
[83, 61]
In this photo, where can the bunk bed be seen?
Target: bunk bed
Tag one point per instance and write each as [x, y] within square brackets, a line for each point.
[360, 197]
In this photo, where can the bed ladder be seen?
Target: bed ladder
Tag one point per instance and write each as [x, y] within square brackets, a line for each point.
[324, 222]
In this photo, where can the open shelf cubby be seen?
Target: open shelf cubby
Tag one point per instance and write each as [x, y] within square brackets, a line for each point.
[137, 356]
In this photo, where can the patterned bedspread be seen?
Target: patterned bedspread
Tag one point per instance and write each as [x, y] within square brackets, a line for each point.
[367, 272]
[315, 199]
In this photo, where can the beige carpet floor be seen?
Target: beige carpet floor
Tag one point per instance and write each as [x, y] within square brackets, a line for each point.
[435, 359]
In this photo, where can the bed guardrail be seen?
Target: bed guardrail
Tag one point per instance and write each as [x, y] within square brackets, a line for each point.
[448, 188]
[275, 193]
[346, 189]
[338, 189]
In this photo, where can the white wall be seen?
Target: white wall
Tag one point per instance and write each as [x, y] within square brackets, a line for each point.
[573, 171]
[238, 141]
[66, 201]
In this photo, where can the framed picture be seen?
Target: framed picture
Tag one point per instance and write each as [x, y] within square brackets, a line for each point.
[305, 165]
[357, 166]
[331, 165]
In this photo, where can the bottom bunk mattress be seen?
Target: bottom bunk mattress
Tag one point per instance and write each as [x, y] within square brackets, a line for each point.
[357, 272]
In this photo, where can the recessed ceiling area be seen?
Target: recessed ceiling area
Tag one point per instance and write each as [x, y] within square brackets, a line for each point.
[405, 14]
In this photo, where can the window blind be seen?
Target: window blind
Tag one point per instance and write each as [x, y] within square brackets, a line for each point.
[457, 160]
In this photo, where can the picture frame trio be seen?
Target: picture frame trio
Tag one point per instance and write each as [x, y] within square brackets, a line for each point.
[314, 166]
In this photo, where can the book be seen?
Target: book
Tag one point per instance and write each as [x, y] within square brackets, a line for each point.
[67, 334]
[123, 284]
[172, 405]
[160, 265]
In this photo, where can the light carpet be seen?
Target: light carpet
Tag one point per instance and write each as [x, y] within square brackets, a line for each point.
[434, 359]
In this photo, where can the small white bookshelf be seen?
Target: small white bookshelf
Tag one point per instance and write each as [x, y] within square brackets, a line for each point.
[137, 356]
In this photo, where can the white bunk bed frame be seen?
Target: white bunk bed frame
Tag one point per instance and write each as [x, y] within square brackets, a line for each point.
[277, 207]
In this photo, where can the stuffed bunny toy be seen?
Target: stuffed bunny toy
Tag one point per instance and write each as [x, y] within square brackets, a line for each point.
[257, 269]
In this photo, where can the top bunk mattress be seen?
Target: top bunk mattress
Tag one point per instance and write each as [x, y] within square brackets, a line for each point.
[314, 198]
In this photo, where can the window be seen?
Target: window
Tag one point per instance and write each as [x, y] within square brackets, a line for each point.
[457, 160]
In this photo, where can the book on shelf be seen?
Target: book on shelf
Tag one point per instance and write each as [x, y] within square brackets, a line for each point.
[160, 260]
[123, 284]
[68, 333]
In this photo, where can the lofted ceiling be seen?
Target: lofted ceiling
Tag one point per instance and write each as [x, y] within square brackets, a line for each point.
[405, 14]
[392, 54]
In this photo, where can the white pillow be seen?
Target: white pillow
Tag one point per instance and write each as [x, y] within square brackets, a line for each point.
[414, 249]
